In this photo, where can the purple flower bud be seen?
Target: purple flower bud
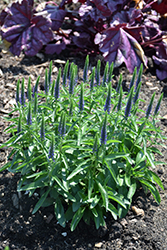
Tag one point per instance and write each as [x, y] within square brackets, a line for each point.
[35, 90]
[137, 93]
[51, 149]
[17, 92]
[129, 103]
[92, 78]
[29, 93]
[158, 105]
[71, 86]
[139, 76]
[65, 73]
[86, 69]
[98, 72]
[107, 106]
[133, 78]
[104, 130]
[57, 85]
[95, 145]
[120, 99]
[29, 116]
[81, 99]
[42, 131]
[148, 111]
[22, 93]
[62, 125]
[105, 74]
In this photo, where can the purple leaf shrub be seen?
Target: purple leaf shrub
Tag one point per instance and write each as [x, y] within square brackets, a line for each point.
[117, 29]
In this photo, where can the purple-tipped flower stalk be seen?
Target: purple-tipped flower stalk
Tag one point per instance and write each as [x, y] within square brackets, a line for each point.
[107, 106]
[129, 103]
[105, 74]
[137, 93]
[35, 90]
[81, 99]
[92, 79]
[51, 149]
[46, 86]
[72, 79]
[119, 84]
[148, 111]
[110, 72]
[133, 78]
[71, 107]
[19, 127]
[22, 93]
[29, 116]
[35, 104]
[104, 130]
[139, 76]
[62, 124]
[18, 92]
[158, 105]
[76, 74]
[85, 73]
[57, 85]
[29, 92]
[95, 145]
[42, 131]
[65, 73]
[50, 74]
[98, 72]
[119, 106]
[72, 66]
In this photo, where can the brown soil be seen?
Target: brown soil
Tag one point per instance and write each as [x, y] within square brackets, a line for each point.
[19, 229]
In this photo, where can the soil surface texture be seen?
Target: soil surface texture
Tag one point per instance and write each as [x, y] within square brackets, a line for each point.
[19, 229]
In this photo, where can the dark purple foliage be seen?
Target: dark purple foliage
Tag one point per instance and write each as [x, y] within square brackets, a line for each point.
[113, 28]
[118, 46]
[56, 15]
[25, 30]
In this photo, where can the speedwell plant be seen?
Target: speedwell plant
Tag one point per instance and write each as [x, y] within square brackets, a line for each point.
[84, 147]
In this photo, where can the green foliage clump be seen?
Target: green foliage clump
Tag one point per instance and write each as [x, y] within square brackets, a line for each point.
[83, 146]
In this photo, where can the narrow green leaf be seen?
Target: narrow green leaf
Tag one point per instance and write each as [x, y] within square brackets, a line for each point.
[104, 194]
[41, 201]
[59, 212]
[77, 217]
[80, 168]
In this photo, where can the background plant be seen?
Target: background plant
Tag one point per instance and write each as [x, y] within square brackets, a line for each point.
[83, 147]
[115, 29]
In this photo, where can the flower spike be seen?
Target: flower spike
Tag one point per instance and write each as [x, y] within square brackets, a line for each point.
[104, 130]
[150, 106]
[158, 105]
[133, 78]
[86, 69]
[81, 99]
[120, 99]
[57, 85]
[98, 72]
[29, 92]
[105, 74]
[129, 103]
[29, 116]
[65, 73]
[51, 149]
[42, 131]
[92, 79]
[22, 93]
[18, 92]
[107, 106]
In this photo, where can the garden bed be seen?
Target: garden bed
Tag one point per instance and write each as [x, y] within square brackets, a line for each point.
[21, 230]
